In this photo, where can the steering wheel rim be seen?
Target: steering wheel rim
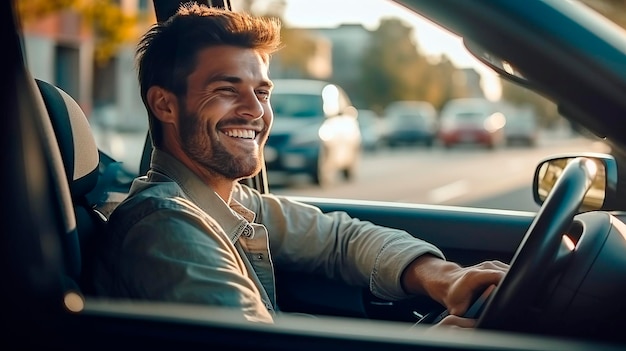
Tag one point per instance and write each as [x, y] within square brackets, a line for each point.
[537, 251]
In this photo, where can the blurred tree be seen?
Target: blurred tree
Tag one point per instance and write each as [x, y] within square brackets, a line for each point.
[34, 9]
[438, 82]
[299, 45]
[615, 10]
[112, 26]
[393, 69]
[390, 65]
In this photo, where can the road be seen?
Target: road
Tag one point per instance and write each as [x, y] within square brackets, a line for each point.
[464, 176]
[469, 176]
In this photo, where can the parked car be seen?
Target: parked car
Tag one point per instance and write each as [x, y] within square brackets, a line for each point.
[521, 127]
[410, 123]
[315, 131]
[565, 288]
[474, 121]
[372, 130]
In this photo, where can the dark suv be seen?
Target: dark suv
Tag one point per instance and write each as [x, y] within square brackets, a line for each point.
[315, 132]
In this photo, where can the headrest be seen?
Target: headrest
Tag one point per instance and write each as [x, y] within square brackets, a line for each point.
[74, 136]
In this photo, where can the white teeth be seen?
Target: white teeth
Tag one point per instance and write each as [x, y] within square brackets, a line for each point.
[240, 133]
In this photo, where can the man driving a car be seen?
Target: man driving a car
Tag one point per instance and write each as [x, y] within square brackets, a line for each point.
[190, 232]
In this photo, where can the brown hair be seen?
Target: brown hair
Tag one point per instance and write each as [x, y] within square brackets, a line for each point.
[166, 54]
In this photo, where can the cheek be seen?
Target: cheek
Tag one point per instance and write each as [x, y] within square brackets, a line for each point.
[268, 116]
[209, 114]
[207, 104]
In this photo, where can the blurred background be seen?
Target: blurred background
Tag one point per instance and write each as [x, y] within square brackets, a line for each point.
[433, 124]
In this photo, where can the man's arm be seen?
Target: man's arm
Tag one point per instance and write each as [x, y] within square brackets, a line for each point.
[302, 238]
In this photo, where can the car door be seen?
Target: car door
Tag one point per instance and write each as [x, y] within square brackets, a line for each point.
[465, 235]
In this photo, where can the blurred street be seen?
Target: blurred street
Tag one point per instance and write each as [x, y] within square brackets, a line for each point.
[468, 176]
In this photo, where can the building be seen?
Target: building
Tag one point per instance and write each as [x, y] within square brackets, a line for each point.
[348, 44]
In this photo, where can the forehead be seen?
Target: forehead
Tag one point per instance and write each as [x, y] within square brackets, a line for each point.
[244, 63]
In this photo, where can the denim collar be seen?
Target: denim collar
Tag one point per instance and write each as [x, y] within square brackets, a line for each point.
[233, 217]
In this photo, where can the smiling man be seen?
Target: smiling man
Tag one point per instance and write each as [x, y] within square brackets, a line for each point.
[190, 232]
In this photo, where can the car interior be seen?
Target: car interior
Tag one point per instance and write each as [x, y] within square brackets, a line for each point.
[70, 187]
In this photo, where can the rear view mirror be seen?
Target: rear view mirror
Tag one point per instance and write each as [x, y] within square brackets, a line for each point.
[601, 195]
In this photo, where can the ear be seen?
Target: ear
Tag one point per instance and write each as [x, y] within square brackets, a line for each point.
[163, 104]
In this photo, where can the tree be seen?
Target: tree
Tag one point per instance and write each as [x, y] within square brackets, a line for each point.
[299, 45]
[615, 10]
[299, 49]
[438, 83]
[393, 69]
[390, 65]
[105, 18]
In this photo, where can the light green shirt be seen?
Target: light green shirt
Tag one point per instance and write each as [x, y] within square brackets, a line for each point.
[174, 239]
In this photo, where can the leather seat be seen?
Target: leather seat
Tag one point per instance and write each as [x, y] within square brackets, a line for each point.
[81, 162]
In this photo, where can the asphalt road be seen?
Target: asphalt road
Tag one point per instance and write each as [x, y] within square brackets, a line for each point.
[467, 176]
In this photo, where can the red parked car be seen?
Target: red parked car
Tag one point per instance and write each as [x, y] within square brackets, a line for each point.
[471, 121]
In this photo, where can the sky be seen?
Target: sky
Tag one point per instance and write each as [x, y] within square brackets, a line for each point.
[431, 39]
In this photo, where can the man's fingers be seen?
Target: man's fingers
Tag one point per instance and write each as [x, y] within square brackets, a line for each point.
[494, 264]
[456, 321]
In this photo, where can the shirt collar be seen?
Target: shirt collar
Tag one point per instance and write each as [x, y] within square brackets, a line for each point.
[231, 218]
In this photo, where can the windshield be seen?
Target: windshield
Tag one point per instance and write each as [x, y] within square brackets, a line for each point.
[297, 105]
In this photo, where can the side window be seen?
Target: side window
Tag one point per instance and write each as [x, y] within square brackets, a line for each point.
[400, 58]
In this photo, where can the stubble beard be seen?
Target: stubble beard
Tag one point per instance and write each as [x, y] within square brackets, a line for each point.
[203, 146]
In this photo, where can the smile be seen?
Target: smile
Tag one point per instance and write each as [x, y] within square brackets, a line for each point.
[241, 133]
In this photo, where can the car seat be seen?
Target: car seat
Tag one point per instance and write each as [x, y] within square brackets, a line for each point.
[83, 170]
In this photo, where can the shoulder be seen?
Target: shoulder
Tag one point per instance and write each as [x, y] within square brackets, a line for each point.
[247, 196]
[146, 200]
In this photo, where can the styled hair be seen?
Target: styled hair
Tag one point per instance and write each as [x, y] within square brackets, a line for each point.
[167, 52]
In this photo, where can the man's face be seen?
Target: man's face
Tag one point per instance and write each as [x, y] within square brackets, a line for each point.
[226, 116]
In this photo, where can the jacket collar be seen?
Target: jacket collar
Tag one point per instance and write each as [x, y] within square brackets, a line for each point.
[231, 217]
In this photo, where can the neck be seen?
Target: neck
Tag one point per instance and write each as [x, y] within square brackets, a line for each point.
[222, 186]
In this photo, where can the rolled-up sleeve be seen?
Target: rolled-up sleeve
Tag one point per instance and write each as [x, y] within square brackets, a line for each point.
[335, 245]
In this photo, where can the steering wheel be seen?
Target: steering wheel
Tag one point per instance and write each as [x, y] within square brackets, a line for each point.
[538, 251]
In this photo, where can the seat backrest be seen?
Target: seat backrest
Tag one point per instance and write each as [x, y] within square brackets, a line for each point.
[81, 161]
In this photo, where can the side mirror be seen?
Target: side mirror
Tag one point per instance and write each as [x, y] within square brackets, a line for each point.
[603, 191]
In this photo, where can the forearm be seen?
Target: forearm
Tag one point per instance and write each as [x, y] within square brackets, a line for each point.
[429, 275]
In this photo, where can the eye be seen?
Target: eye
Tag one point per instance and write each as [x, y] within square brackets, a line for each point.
[263, 95]
[228, 89]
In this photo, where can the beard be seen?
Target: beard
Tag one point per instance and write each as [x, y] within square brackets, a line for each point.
[203, 146]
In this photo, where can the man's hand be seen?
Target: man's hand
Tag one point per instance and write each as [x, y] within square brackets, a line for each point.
[453, 286]
[456, 322]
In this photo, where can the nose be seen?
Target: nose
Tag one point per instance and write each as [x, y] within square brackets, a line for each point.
[250, 106]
